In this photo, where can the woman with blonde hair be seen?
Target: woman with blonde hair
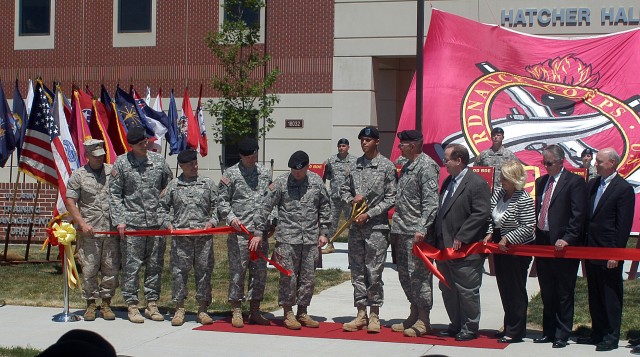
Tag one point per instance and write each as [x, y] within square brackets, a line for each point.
[512, 222]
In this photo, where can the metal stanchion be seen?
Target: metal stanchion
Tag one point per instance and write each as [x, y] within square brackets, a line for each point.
[65, 316]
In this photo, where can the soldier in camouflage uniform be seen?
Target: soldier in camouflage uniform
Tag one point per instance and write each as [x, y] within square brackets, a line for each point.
[587, 157]
[495, 156]
[137, 178]
[192, 201]
[416, 207]
[88, 188]
[304, 218]
[374, 182]
[336, 169]
[240, 193]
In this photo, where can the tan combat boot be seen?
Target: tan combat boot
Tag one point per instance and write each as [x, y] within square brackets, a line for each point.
[90, 312]
[134, 313]
[255, 317]
[105, 309]
[203, 317]
[178, 317]
[304, 318]
[152, 312]
[328, 249]
[290, 321]
[374, 320]
[422, 325]
[360, 322]
[236, 317]
[411, 319]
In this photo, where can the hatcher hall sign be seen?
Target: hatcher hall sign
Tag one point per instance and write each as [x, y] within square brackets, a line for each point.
[570, 16]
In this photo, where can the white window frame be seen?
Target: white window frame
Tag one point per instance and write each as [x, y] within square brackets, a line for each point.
[129, 39]
[262, 19]
[44, 42]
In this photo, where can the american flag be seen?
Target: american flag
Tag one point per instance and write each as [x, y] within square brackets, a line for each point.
[65, 154]
[36, 158]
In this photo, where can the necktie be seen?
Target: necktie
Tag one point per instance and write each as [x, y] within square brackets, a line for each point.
[598, 194]
[545, 203]
[450, 190]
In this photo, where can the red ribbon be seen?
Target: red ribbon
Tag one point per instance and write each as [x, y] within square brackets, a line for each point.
[253, 255]
[426, 252]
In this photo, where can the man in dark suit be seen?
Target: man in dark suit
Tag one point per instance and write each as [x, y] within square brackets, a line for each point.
[465, 203]
[560, 211]
[611, 204]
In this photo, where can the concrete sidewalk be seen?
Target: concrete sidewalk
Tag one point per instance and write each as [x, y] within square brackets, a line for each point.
[33, 326]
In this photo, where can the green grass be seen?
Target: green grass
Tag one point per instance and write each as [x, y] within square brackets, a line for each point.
[41, 284]
[582, 319]
[18, 352]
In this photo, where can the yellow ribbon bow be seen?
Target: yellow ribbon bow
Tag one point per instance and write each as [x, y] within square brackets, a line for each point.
[66, 234]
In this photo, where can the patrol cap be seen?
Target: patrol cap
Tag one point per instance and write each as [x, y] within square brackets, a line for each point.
[248, 146]
[497, 130]
[369, 132]
[343, 141]
[187, 156]
[587, 151]
[410, 135]
[94, 147]
[298, 160]
[136, 135]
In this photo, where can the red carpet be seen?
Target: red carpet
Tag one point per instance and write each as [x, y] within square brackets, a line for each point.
[334, 330]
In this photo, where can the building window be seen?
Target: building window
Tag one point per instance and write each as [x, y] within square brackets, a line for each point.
[34, 27]
[134, 16]
[134, 23]
[35, 17]
[250, 18]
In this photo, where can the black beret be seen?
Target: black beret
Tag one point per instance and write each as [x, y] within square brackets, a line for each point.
[136, 135]
[343, 141]
[187, 156]
[369, 132]
[298, 160]
[497, 130]
[410, 135]
[586, 151]
[247, 146]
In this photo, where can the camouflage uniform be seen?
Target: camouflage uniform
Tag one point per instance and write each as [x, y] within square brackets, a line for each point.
[376, 182]
[495, 159]
[304, 214]
[240, 194]
[135, 187]
[336, 170]
[193, 204]
[416, 207]
[98, 253]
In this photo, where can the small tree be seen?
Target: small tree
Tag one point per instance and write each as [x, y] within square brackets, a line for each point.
[244, 100]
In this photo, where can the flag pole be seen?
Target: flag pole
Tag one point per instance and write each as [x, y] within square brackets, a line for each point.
[13, 204]
[33, 214]
[65, 316]
[419, 64]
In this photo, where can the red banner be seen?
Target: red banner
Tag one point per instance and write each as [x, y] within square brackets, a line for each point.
[576, 93]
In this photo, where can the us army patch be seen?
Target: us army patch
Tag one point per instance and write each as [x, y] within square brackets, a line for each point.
[432, 184]
[224, 180]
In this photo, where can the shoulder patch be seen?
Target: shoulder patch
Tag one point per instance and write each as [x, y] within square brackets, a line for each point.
[272, 186]
[432, 184]
[224, 180]
[114, 172]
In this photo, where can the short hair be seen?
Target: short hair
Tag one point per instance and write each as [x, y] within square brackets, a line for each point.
[514, 172]
[555, 150]
[611, 155]
[459, 152]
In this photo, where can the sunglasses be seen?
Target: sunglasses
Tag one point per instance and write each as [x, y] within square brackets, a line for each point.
[548, 163]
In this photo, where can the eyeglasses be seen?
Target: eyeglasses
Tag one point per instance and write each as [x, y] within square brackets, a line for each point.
[401, 145]
[548, 163]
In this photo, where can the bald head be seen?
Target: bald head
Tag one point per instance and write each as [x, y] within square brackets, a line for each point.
[607, 161]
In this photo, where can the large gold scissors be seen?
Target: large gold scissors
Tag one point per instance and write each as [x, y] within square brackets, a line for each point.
[356, 211]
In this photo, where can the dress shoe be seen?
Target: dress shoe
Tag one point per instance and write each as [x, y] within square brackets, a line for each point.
[447, 333]
[465, 336]
[606, 346]
[509, 340]
[634, 341]
[558, 343]
[635, 350]
[498, 334]
[543, 339]
[587, 341]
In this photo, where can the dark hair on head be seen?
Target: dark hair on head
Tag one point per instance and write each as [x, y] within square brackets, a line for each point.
[459, 152]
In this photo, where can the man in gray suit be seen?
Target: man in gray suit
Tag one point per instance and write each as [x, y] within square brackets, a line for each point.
[465, 203]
